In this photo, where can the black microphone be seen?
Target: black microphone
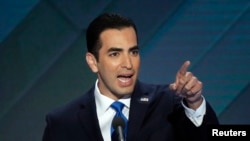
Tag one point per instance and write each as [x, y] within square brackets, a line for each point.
[118, 124]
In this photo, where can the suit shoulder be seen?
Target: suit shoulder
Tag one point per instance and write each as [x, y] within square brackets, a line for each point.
[70, 108]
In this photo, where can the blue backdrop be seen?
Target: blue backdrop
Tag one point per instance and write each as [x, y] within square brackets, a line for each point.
[42, 48]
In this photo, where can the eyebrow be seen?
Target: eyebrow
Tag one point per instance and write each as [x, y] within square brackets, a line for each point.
[114, 49]
[120, 49]
[134, 48]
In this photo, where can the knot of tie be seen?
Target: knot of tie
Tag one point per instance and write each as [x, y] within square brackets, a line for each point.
[117, 106]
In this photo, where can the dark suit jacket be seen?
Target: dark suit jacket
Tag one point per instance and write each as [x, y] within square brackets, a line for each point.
[155, 115]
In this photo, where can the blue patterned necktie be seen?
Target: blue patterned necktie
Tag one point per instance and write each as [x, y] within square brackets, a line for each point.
[117, 106]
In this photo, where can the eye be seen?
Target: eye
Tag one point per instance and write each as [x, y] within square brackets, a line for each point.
[135, 52]
[113, 54]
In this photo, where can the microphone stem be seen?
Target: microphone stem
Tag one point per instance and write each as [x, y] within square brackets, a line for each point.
[120, 133]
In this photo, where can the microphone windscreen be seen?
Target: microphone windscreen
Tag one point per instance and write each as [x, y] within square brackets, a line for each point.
[118, 121]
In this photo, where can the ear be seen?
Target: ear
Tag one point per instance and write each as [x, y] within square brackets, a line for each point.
[92, 62]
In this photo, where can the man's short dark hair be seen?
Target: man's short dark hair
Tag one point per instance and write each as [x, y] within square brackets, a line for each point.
[100, 24]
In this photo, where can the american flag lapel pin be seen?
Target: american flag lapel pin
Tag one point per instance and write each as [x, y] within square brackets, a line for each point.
[144, 100]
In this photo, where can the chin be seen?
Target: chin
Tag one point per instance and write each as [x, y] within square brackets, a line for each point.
[128, 91]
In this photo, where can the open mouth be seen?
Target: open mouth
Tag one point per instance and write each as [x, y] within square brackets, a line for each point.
[125, 79]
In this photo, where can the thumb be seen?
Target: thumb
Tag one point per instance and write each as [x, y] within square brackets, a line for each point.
[172, 86]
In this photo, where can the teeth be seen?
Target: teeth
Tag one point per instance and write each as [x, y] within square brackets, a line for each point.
[124, 79]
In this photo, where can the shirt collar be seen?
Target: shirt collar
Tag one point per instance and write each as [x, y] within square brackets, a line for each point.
[103, 102]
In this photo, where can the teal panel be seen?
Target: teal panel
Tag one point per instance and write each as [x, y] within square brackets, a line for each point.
[12, 12]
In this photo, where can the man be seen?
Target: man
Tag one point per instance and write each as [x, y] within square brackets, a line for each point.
[154, 112]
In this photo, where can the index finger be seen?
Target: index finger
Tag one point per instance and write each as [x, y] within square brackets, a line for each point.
[184, 68]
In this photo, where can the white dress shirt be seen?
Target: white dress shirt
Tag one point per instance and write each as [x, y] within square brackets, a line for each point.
[105, 113]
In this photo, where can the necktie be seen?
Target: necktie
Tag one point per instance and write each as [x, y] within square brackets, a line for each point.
[117, 106]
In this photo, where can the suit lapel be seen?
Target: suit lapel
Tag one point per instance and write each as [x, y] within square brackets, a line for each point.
[140, 101]
[138, 107]
[88, 117]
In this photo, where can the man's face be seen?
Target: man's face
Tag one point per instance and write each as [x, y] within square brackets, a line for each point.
[119, 62]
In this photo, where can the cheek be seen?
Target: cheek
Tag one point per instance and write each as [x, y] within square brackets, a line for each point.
[110, 67]
[136, 63]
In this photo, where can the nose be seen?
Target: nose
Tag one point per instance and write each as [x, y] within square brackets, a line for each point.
[127, 62]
